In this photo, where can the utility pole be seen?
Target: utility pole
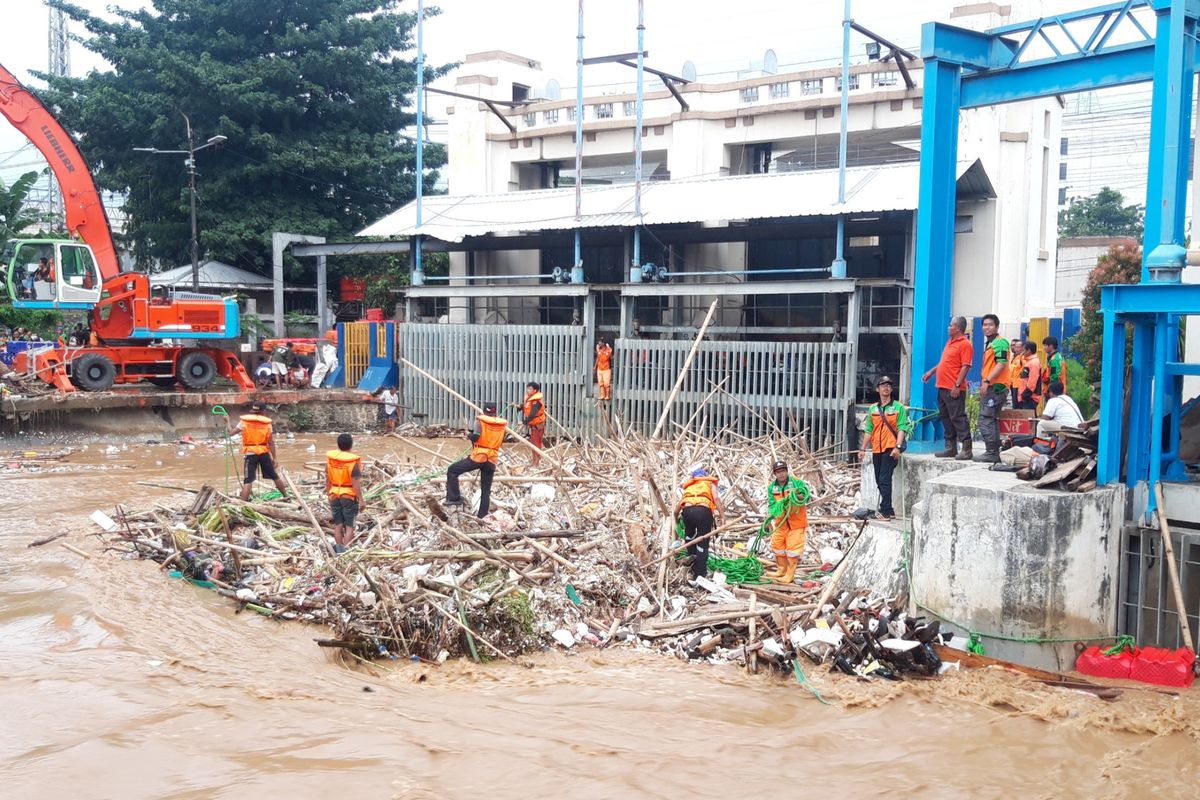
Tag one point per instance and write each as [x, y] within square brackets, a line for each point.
[59, 50]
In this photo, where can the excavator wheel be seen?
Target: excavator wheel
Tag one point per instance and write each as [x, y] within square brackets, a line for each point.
[93, 372]
[196, 370]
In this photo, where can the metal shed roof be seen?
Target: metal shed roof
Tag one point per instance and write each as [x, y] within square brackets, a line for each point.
[873, 189]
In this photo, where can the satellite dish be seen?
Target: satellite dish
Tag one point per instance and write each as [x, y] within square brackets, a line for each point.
[770, 62]
[688, 71]
[553, 90]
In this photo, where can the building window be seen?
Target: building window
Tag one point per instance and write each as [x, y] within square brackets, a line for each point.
[780, 90]
[1062, 196]
[864, 241]
[1062, 146]
[1062, 170]
[750, 94]
[813, 86]
[629, 108]
[571, 110]
[529, 119]
[550, 116]
[603, 110]
[853, 83]
[520, 93]
[879, 79]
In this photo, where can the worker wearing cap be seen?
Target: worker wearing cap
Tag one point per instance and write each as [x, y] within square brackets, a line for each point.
[258, 447]
[487, 438]
[699, 508]
[533, 416]
[886, 429]
[787, 505]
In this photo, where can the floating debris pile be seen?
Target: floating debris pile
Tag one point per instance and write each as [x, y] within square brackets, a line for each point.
[581, 552]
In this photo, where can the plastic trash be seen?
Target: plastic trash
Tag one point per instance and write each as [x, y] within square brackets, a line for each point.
[900, 645]
[564, 638]
[246, 595]
[542, 491]
[105, 522]
[947, 666]
[830, 555]
[367, 599]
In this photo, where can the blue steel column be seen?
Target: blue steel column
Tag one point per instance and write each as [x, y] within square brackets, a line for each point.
[637, 137]
[579, 141]
[934, 270]
[838, 268]
[1108, 467]
[1170, 145]
[418, 276]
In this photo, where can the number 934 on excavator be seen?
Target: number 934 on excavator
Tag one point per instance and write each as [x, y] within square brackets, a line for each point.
[137, 334]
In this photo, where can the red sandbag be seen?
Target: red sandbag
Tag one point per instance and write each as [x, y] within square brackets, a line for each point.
[1092, 661]
[1163, 667]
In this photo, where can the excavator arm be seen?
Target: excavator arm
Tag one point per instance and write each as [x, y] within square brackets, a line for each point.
[86, 218]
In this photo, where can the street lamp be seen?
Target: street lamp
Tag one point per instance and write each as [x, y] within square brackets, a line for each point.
[190, 163]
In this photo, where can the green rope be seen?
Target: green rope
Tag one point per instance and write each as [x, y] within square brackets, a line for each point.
[800, 679]
[747, 569]
[1124, 642]
[795, 497]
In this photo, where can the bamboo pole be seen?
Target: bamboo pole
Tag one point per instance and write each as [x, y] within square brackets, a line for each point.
[1172, 569]
[687, 363]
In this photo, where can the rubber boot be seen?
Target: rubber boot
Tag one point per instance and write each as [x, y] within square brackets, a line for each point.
[951, 450]
[780, 568]
[965, 453]
[789, 576]
[988, 456]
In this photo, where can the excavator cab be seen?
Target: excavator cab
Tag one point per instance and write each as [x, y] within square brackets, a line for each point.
[49, 273]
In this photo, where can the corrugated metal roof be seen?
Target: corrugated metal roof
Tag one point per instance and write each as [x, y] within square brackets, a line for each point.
[212, 273]
[874, 189]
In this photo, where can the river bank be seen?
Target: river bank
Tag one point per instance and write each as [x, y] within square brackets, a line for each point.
[130, 685]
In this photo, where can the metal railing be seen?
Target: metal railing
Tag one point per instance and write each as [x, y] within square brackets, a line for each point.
[1147, 608]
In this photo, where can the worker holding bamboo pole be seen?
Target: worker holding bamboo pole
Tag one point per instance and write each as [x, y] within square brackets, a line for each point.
[487, 438]
[787, 505]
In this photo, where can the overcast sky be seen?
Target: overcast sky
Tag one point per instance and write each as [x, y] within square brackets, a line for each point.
[717, 35]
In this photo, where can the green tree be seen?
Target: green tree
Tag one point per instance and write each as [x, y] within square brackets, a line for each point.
[1102, 214]
[16, 215]
[311, 95]
[1121, 264]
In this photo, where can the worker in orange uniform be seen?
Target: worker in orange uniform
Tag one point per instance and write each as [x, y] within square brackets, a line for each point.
[951, 371]
[603, 370]
[993, 389]
[487, 437]
[1016, 363]
[1054, 368]
[700, 509]
[533, 415]
[1031, 378]
[886, 429]
[343, 485]
[258, 445]
[787, 505]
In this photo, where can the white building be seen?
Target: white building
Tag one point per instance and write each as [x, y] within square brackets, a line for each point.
[739, 203]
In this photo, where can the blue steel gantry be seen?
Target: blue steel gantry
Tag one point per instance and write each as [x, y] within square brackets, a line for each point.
[1090, 49]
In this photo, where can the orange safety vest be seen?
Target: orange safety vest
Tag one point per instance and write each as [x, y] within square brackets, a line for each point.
[256, 434]
[700, 492]
[797, 518]
[604, 358]
[491, 436]
[1031, 377]
[1016, 366]
[882, 438]
[540, 419]
[339, 466]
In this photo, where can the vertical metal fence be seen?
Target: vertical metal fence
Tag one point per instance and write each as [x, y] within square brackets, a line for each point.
[751, 388]
[1147, 605]
[358, 351]
[494, 362]
[764, 387]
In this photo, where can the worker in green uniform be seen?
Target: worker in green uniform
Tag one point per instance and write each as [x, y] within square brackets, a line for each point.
[993, 389]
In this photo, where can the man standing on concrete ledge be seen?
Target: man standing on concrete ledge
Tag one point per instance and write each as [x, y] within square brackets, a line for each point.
[993, 389]
[887, 425]
[951, 373]
[487, 438]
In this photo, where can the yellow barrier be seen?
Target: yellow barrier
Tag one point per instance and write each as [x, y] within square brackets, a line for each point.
[358, 351]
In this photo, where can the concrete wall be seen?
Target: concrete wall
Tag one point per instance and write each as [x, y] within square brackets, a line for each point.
[998, 556]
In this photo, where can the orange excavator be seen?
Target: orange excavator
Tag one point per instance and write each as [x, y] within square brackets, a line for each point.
[138, 334]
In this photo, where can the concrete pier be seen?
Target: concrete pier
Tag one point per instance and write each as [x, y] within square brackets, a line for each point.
[1000, 557]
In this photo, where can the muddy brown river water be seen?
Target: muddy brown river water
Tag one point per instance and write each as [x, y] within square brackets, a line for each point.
[116, 682]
